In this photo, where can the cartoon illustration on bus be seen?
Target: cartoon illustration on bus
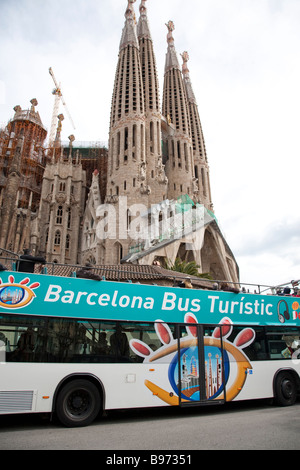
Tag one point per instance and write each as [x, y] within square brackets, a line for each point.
[17, 295]
[219, 357]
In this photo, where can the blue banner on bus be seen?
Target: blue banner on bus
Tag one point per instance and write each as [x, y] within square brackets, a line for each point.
[45, 295]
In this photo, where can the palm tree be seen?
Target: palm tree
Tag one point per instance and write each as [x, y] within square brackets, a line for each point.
[187, 267]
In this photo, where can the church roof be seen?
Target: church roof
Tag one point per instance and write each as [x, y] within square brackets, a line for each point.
[145, 274]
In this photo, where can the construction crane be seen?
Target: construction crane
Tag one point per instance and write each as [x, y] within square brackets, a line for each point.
[58, 96]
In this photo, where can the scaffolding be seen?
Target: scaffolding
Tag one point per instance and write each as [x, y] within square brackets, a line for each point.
[27, 126]
[93, 156]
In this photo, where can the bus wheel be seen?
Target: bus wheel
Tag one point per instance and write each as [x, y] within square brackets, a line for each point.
[78, 403]
[285, 389]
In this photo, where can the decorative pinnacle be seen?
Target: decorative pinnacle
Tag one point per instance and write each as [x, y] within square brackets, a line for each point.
[34, 103]
[186, 76]
[143, 29]
[185, 58]
[129, 31]
[171, 27]
[143, 8]
[129, 14]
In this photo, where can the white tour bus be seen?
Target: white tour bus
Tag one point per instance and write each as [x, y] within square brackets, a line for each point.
[76, 347]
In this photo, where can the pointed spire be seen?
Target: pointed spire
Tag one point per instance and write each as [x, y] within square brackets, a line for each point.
[143, 8]
[148, 63]
[199, 150]
[174, 97]
[186, 78]
[129, 35]
[128, 97]
[171, 58]
[175, 109]
[129, 13]
[143, 29]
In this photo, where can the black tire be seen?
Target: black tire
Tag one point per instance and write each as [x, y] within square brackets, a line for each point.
[78, 403]
[285, 389]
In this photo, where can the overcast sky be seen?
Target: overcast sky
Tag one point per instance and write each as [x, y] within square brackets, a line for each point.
[245, 70]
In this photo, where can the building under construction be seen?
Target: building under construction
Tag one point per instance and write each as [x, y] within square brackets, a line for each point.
[22, 163]
[93, 156]
[26, 128]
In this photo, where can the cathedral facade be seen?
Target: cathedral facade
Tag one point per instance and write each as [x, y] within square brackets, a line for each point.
[157, 202]
[158, 174]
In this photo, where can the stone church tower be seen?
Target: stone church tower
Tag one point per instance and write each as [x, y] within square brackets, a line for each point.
[135, 170]
[61, 209]
[180, 164]
[155, 174]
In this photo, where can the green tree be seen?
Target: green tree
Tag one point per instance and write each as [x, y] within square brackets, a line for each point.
[187, 267]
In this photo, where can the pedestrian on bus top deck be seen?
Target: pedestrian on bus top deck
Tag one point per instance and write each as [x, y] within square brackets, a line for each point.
[27, 262]
[228, 287]
[86, 273]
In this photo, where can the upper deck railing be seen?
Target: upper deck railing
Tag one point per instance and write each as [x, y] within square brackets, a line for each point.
[145, 274]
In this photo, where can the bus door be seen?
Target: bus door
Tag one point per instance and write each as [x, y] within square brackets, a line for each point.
[200, 367]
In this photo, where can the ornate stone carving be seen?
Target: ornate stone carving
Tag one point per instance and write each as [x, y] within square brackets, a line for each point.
[144, 188]
[61, 198]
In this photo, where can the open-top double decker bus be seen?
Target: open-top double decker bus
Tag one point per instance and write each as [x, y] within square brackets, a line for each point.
[76, 347]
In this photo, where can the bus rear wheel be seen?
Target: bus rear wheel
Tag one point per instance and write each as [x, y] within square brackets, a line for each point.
[285, 389]
[78, 403]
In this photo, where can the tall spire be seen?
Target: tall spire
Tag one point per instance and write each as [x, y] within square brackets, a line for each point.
[143, 29]
[155, 173]
[199, 150]
[186, 77]
[174, 99]
[129, 31]
[180, 165]
[171, 57]
[148, 62]
[128, 92]
[127, 135]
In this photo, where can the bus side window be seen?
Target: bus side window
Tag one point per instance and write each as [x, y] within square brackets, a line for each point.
[283, 343]
[256, 351]
[258, 347]
[145, 333]
[4, 347]
[119, 342]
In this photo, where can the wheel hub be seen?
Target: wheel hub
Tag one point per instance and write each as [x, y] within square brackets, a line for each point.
[77, 402]
[287, 388]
